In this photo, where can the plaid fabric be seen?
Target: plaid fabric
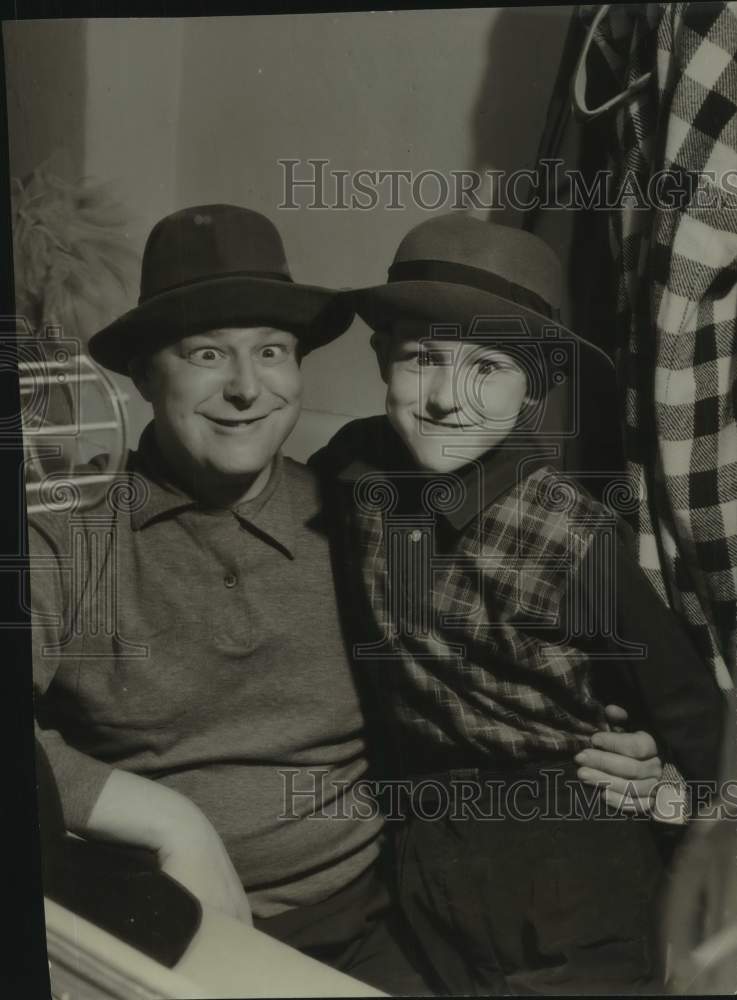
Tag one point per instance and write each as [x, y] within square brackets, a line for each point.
[479, 631]
[677, 301]
[498, 608]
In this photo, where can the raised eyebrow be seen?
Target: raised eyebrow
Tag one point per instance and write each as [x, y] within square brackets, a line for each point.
[494, 354]
[407, 347]
[446, 353]
[282, 337]
[204, 339]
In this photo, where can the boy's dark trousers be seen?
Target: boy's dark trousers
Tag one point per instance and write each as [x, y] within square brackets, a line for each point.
[535, 900]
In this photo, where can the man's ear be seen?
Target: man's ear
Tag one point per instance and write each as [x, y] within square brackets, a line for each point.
[381, 343]
[139, 371]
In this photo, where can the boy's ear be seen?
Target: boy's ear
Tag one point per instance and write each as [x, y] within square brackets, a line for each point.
[138, 369]
[381, 343]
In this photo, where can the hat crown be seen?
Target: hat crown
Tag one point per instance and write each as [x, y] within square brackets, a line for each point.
[513, 254]
[210, 241]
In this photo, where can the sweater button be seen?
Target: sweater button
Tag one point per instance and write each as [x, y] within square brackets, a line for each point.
[230, 580]
[415, 536]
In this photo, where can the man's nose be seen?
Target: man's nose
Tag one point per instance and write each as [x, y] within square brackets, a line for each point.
[440, 397]
[243, 385]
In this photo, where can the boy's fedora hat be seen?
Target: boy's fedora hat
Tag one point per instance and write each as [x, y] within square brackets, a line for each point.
[453, 270]
[214, 266]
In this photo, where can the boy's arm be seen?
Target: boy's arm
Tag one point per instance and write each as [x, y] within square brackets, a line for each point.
[670, 689]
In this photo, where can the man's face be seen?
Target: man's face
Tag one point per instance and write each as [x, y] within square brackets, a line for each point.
[224, 402]
[449, 400]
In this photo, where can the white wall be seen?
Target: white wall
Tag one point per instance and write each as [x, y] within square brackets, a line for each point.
[403, 90]
[131, 117]
[180, 112]
[131, 112]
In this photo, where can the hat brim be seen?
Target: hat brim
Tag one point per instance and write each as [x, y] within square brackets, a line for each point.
[313, 314]
[465, 308]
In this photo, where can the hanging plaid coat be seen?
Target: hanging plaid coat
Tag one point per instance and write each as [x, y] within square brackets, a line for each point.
[675, 252]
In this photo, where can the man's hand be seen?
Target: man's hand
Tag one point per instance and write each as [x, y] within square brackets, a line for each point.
[134, 810]
[624, 765]
[196, 858]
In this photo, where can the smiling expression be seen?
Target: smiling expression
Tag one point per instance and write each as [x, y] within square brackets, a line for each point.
[224, 402]
[449, 400]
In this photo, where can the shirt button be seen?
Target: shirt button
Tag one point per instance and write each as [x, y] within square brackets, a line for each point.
[230, 580]
[415, 536]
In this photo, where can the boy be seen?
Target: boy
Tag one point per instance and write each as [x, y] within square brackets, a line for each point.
[501, 611]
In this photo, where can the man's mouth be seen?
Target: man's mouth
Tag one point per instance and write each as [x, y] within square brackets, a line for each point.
[236, 423]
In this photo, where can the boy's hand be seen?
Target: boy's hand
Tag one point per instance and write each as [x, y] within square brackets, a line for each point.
[624, 765]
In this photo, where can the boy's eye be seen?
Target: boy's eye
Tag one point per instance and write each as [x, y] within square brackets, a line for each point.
[207, 357]
[427, 358]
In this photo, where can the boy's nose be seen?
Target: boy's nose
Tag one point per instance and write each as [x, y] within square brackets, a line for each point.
[243, 386]
[440, 399]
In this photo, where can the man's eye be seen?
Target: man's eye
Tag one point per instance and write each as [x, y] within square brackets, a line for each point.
[206, 356]
[273, 352]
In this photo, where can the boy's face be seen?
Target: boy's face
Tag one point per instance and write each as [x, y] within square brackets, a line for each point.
[449, 400]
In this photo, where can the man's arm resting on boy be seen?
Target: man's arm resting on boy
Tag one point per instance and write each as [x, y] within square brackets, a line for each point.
[625, 765]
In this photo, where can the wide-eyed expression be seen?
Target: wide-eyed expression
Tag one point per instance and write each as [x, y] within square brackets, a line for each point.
[224, 402]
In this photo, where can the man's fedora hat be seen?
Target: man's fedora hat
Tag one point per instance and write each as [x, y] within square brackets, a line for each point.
[459, 272]
[215, 266]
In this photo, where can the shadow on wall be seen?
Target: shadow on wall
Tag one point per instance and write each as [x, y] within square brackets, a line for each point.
[524, 48]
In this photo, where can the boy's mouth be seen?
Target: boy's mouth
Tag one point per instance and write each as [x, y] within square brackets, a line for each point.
[450, 425]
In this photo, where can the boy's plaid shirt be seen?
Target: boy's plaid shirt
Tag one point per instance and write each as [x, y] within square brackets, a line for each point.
[677, 298]
[500, 609]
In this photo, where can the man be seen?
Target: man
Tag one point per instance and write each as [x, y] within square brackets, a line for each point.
[167, 725]
[217, 680]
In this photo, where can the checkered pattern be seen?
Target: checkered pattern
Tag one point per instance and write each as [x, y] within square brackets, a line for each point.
[677, 303]
[477, 646]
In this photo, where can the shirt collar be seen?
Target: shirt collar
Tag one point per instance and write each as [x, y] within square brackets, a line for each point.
[269, 515]
[494, 474]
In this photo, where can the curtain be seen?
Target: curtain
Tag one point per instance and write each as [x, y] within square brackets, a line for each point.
[671, 149]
